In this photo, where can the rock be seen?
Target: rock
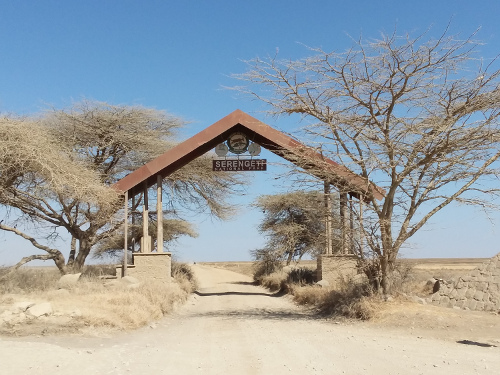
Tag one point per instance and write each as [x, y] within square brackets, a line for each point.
[437, 286]
[22, 306]
[40, 309]
[323, 283]
[129, 280]
[419, 300]
[111, 283]
[58, 292]
[68, 281]
[287, 269]
[6, 317]
[431, 282]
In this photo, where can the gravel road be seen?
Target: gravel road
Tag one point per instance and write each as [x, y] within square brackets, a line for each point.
[232, 327]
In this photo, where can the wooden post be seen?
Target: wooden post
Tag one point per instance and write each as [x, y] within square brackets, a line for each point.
[352, 241]
[343, 222]
[159, 214]
[361, 233]
[132, 230]
[328, 219]
[145, 245]
[125, 230]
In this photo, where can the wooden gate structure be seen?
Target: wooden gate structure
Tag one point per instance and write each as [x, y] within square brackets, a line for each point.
[149, 264]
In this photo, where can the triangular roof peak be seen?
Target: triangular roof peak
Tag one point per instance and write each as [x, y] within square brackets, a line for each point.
[259, 132]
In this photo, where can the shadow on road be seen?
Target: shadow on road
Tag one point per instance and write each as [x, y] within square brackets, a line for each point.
[258, 314]
[278, 294]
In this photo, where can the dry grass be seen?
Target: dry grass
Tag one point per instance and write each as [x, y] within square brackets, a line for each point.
[97, 302]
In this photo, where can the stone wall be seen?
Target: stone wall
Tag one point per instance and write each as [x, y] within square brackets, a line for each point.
[336, 268]
[150, 266]
[480, 290]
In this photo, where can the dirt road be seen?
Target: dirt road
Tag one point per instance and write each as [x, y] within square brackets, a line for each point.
[232, 327]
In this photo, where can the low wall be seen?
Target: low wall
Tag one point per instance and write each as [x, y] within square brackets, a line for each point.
[479, 290]
[150, 266]
[336, 268]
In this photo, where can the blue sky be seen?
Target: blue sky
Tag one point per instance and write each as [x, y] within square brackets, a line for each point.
[178, 56]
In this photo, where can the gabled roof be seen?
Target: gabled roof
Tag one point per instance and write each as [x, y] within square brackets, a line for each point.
[269, 138]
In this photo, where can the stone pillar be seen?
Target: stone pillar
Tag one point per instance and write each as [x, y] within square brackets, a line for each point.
[336, 268]
[152, 266]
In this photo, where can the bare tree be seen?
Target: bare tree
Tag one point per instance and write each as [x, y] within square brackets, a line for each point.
[417, 116]
[107, 141]
[294, 224]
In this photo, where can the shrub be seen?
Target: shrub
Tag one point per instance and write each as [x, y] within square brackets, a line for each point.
[184, 276]
[276, 281]
[301, 276]
[266, 263]
[351, 300]
[34, 279]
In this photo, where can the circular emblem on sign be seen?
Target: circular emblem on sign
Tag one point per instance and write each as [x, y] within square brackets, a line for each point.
[221, 150]
[237, 143]
[254, 149]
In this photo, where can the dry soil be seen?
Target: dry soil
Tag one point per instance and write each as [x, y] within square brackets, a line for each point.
[233, 327]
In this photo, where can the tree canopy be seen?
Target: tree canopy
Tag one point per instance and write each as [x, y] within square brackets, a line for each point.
[294, 224]
[418, 116]
[56, 170]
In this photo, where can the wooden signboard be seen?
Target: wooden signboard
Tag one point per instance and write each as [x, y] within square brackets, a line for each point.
[239, 165]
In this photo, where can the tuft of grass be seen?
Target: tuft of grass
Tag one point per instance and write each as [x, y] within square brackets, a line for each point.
[276, 281]
[301, 276]
[352, 301]
[184, 276]
[28, 280]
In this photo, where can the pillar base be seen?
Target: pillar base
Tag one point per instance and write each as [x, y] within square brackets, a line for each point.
[150, 266]
[336, 269]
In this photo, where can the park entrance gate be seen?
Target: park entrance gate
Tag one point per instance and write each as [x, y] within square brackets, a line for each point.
[151, 264]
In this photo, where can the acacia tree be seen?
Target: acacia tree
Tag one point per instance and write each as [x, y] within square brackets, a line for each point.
[294, 224]
[34, 173]
[110, 141]
[417, 116]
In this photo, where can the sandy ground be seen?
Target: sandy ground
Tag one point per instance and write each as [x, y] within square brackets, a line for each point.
[232, 327]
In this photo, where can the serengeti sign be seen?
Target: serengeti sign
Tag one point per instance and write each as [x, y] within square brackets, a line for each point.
[239, 165]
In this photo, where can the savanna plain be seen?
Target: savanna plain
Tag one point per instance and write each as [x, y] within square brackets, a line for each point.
[213, 319]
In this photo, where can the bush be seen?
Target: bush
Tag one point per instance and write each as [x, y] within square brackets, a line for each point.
[184, 276]
[276, 281]
[301, 276]
[34, 279]
[266, 263]
[351, 300]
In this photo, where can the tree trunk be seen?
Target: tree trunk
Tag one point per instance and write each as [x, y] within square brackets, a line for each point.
[72, 253]
[83, 252]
